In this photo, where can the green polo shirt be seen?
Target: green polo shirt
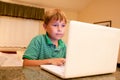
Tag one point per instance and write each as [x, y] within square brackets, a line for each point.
[41, 47]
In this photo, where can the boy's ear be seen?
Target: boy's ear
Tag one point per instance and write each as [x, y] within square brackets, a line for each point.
[44, 26]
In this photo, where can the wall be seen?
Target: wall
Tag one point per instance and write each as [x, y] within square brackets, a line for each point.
[102, 10]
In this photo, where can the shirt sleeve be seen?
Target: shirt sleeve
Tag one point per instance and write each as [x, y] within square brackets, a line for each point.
[32, 51]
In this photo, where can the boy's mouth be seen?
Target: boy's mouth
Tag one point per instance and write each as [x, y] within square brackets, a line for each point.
[59, 34]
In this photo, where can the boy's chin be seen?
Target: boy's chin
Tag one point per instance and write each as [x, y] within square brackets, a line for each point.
[59, 38]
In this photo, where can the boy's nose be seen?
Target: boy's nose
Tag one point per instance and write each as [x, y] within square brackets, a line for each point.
[59, 28]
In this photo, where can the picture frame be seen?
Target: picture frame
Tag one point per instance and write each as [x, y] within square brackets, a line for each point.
[104, 23]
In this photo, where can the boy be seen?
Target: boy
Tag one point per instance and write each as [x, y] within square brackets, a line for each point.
[48, 48]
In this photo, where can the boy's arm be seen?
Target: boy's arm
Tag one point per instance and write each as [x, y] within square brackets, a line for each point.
[54, 61]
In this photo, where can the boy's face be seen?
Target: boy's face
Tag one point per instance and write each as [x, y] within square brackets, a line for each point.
[55, 29]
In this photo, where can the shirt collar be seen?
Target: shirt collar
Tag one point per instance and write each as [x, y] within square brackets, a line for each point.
[49, 42]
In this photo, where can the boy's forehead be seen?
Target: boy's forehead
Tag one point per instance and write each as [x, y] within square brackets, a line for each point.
[54, 21]
[57, 20]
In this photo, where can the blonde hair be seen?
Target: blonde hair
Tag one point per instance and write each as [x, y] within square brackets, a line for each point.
[54, 14]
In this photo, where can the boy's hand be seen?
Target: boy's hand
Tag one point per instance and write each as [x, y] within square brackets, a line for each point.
[57, 61]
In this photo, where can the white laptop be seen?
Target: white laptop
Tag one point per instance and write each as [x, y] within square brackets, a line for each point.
[91, 50]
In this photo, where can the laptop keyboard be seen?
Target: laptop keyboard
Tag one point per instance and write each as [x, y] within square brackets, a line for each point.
[56, 69]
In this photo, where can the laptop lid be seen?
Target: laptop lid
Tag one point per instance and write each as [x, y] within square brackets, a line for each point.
[91, 50]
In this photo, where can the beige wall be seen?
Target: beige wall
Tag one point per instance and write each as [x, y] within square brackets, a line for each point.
[102, 10]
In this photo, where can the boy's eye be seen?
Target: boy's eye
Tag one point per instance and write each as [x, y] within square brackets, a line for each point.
[55, 25]
[63, 25]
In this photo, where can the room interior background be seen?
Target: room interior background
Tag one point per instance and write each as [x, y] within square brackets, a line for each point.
[93, 11]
